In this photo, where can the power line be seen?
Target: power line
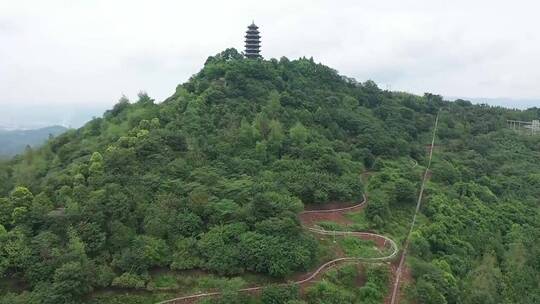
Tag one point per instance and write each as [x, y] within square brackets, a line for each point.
[418, 204]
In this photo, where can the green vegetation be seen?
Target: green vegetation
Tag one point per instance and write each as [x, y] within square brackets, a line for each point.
[355, 247]
[480, 241]
[342, 286]
[212, 180]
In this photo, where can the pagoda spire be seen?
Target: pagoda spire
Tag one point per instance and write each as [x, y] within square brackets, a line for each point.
[253, 42]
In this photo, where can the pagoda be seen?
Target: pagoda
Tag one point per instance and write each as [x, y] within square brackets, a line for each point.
[253, 42]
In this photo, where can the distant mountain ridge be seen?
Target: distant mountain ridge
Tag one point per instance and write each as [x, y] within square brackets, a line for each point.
[510, 103]
[13, 142]
[26, 116]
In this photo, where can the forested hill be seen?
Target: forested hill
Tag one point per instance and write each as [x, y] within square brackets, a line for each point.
[213, 178]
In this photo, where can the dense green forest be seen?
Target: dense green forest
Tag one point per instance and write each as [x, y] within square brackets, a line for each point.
[208, 185]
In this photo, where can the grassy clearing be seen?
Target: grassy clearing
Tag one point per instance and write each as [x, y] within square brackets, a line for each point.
[356, 247]
[331, 226]
[327, 249]
[360, 221]
[399, 226]
[350, 246]
[351, 284]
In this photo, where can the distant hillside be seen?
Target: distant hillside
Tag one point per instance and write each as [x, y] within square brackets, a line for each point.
[14, 141]
[29, 115]
[511, 103]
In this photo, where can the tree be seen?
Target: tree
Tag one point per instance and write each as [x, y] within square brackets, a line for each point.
[274, 294]
[6, 209]
[298, 133]
[185, 224]
[120, 236]
[103, 276]
[262, 125]
[247, 134]
[185, 254]
[21, 197]
[4, 262]
[19, 216]
[370, 293]
[96, 170]
[156, 221]
[129, 280]
[14, 250]
[219, 247]
[93, 237]
[377, 210]
[485, 282]
[70, 282]
[144, 252]
[327, 293]
[121, 105]
[405, 191]
[428, 294]
[445, 172]
[275, 138]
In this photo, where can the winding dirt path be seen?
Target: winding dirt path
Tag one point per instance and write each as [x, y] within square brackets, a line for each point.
[308, 219]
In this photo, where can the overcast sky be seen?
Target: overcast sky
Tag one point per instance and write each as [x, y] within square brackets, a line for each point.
[86, 54]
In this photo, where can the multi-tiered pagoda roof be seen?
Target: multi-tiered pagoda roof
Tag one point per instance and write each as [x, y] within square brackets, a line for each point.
[253, 42]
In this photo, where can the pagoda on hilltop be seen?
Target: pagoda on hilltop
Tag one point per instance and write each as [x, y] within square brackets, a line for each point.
[253, 42]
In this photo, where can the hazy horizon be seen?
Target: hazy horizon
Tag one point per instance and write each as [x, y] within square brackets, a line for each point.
[21, 118]
[64, 62]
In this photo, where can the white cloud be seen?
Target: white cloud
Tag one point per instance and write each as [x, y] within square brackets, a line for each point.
[84, 52]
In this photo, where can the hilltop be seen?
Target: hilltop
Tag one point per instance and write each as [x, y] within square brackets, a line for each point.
[203, 190]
